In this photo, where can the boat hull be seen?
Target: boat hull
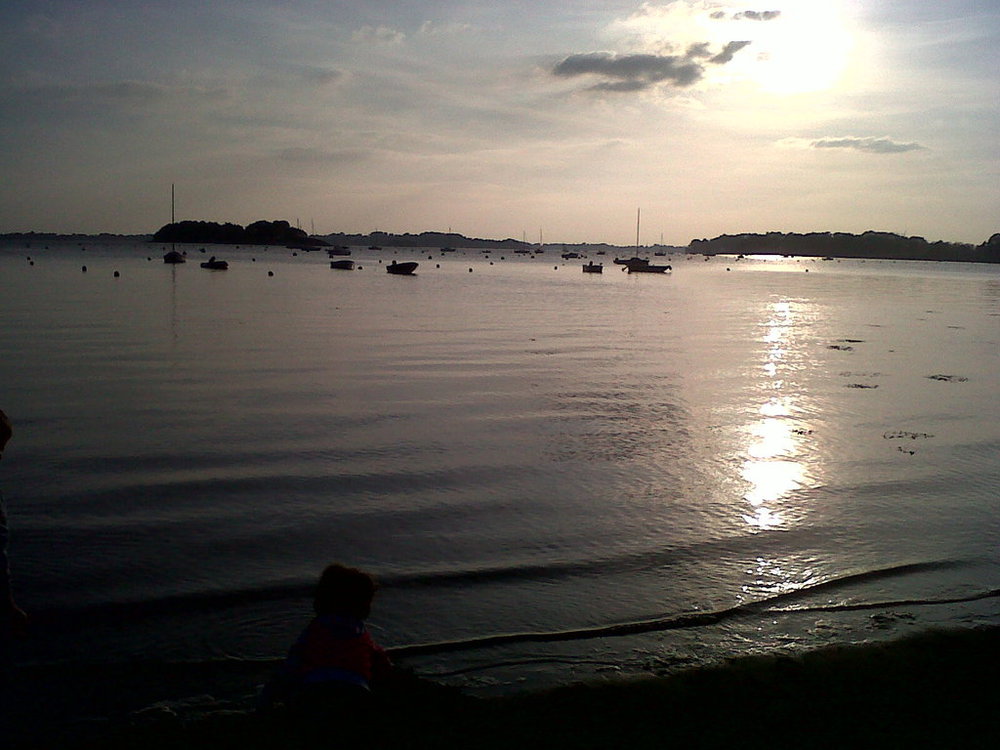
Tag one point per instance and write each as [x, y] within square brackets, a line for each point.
[648, 269]
[402, 269]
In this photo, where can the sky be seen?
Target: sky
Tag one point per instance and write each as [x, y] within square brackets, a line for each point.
[551, 119]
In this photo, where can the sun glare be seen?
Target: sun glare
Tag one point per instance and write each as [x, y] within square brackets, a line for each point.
[806, 49]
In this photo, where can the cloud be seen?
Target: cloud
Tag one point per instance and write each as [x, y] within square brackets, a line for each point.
[628, 73]
[109, 92]
[749, 15]
[429, 28]
[727, 53]
[378, 35]
[883, 145]
[301, 155]
[758, 15]
[319, 76]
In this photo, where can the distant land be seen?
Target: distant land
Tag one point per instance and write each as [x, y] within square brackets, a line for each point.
[870, 244]
[257, 233]
[881, 245]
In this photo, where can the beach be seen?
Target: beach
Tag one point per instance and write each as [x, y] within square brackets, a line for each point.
[935, 689]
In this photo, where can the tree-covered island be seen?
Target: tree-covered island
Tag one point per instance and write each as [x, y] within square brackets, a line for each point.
[883, 245]
[258, 233]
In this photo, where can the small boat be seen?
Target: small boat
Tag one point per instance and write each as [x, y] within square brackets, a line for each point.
[570, 255]
[636, 264]
[174, 256]
[338, 250]
[402, 269]
[635, 260]
[215, 265]
[648, 268]
[374, 247]
[343, 265]
[592, 267]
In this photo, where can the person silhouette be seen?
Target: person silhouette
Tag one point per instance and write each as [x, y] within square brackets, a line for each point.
[335, 663]
[13, 620]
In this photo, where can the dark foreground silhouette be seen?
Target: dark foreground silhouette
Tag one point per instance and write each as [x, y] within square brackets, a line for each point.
[938, 689]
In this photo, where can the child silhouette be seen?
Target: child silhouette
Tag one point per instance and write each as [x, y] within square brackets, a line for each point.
[335, 662]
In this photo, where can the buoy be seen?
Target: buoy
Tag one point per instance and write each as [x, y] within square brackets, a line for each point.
[270, 273]
[85, 269]
[470, 270]
[117, 274]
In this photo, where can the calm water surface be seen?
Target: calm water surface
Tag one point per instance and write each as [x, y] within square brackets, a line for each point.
[512, 446]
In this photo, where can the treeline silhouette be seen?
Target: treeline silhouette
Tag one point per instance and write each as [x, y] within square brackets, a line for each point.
[842, 245]
[424, 239]
[211, 232]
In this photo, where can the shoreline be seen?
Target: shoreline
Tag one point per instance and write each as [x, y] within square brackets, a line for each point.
[932, 689]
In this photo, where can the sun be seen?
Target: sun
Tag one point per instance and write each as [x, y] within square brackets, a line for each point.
[804, 47]
[807, 48]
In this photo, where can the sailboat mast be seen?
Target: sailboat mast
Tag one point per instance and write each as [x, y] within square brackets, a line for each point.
[637, 211]
[173, 229]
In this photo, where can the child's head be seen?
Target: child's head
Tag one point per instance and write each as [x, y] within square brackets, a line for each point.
[344, 591]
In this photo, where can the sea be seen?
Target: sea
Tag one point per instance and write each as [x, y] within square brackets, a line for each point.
[555, 476]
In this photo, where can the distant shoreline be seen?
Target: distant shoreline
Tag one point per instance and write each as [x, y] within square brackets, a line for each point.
[833, 245]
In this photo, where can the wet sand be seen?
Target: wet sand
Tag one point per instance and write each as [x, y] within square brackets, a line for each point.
[937, 689]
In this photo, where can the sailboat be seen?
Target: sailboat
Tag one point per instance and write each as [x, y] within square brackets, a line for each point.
[642, 265]
[173, 256]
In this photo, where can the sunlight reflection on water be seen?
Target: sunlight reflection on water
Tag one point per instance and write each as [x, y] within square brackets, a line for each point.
[772, 468]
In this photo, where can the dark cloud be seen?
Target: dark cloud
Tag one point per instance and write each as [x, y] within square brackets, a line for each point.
[758, 15]
[320, 76]
[699, 49]
[638, 70]
[870, 144]
[750, 15]
[626, 73]
[727, 53]
[621, 86]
